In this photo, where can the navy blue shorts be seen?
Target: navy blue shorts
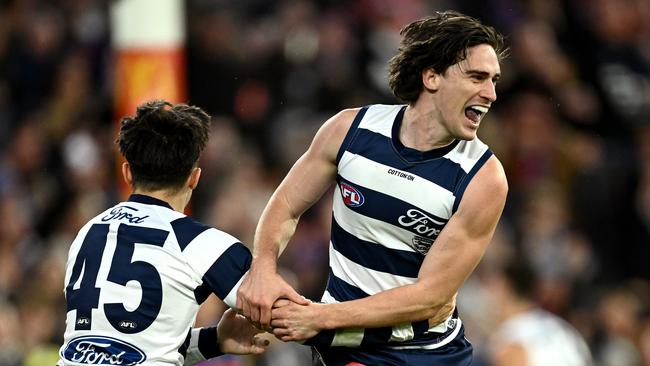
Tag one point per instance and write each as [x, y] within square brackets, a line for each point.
[458, 352]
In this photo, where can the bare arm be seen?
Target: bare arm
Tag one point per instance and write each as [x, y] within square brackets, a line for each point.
[303, 186]
[455, 254]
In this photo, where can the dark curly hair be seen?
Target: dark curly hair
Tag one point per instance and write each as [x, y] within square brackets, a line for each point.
[162, 143]
[436, 42]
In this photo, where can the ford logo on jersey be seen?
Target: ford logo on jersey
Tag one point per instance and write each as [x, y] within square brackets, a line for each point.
[351, 196]
[96, 350]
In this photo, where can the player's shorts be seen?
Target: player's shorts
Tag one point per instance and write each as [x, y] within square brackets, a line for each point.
[456, 353]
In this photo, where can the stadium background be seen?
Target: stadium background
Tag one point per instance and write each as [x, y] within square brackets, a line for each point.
[572, 127]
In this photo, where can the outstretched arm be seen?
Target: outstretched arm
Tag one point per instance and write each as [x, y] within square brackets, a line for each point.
[452, 258]
[303, 186]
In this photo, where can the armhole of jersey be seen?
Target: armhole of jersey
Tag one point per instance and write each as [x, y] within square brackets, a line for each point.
[351, 133]
[460, 190]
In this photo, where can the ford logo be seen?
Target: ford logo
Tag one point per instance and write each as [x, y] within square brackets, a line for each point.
[351, 196]
[96, 350]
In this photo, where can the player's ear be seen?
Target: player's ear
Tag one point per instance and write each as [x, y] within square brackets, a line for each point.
[193, 179]
[430, 79]
[126, 173]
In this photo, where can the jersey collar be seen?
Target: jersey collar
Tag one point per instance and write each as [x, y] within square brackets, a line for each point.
[413, 155]
[148, 200]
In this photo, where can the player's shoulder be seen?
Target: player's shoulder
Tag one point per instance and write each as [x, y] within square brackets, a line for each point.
[337, 126]
[342, 120]
[189, 230]
[495, 174]
[347, 116]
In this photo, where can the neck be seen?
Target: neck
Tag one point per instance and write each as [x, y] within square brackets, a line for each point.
[177, 200]
[421, 130]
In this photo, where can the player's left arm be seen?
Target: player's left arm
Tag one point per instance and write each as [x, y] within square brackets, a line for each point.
[233, 335]
[452, 258]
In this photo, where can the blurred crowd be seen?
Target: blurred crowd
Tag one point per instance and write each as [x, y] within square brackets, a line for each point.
[571, 126]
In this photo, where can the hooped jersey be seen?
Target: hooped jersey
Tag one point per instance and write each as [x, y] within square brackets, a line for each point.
[135, 277]
[390, 204]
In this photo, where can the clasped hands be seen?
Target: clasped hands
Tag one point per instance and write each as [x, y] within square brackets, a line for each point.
[294, 322]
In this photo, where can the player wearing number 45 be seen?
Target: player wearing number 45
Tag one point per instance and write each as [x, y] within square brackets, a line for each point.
[137, 272]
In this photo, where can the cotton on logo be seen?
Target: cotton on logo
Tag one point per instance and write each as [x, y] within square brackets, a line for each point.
[351, 196]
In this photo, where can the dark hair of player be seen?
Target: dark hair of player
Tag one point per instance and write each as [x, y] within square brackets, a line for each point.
[162, 143]
[437, 42]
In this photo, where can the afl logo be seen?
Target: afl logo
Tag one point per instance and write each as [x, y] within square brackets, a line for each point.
[351, 196]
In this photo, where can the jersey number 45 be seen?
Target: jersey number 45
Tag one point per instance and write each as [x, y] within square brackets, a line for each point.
[83, 295]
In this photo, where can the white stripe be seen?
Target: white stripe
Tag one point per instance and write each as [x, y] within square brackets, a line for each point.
[366, 279]
[231, 298]
[466, 153]
[442, 343]
[402, 332]
[348, 337]
[206, 248]
[327, 298]
[369, 229]
[379, 118]
[194, 355]
[420, 192]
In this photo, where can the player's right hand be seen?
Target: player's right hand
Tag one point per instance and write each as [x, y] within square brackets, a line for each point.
[259, 291]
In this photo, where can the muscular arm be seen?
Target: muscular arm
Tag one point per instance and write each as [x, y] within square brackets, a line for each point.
[455, 254]
[303, 186]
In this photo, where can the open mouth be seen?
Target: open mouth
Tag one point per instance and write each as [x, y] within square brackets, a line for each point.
[475, 112]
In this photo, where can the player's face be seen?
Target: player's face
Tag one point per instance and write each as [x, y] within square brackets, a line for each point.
[466, 92]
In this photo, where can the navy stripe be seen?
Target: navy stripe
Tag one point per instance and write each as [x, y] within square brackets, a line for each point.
[460, 190]
[201, 293]
[375, 205]
[342, 291]
[375, 256]
[228, 269]
[374, 336]
[208, 345]
[420, 339]
[186, 229]
[351, 133]
[148, 200]
[322, 338]
[379, 148]
[420, 327]
[186, 344]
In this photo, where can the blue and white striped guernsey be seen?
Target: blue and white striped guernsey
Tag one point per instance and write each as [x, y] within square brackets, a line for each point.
[135, 277]
[390, 204]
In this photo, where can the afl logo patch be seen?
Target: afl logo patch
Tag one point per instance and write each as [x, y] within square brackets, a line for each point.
[351, 196]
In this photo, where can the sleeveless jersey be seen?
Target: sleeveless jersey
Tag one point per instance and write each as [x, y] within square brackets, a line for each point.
[547, 339]
[390, 204]
[135, 277]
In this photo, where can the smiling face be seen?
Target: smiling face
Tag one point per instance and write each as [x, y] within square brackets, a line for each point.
[463, 94]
